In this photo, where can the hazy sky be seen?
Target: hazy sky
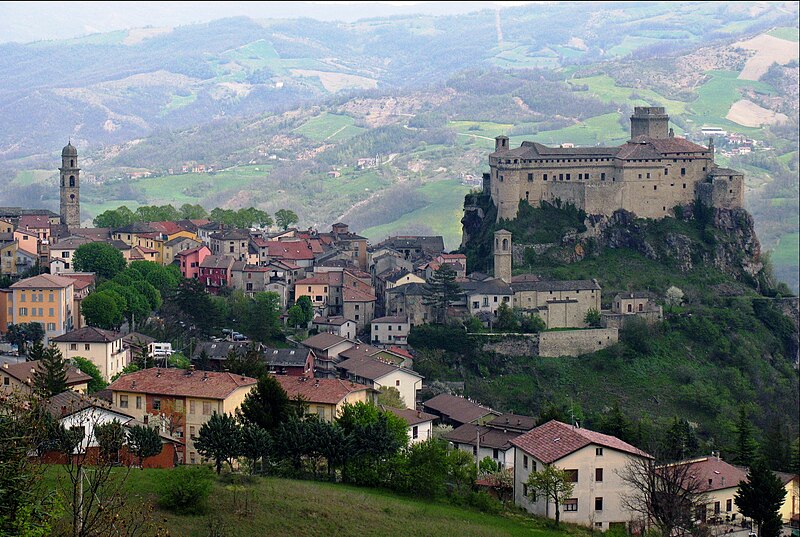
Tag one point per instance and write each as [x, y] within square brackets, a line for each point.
[33, 21]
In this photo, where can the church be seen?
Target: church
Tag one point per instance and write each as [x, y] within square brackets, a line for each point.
[649, 175]
[70, 187]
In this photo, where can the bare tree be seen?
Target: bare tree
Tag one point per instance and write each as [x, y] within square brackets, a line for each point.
[667, 496]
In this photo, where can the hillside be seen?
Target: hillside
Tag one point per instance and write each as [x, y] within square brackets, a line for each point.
[284, 507]
[727, 346]
[275, 106]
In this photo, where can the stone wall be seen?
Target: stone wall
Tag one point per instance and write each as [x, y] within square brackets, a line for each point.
[516, 345]
[576, 342]
[618, 320]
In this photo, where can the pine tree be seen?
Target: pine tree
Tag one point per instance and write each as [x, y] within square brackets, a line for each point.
[218, 439]
[143, 442]
[441, 291]
[746, 448]
[761, 497]
[50, 378]
[36, 351]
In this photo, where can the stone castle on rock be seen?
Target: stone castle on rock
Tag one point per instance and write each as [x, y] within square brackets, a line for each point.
[649, 175]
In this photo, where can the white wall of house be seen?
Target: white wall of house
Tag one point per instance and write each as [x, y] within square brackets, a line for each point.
[503, 457]
[87, 419]
[406, 383]
[390, 333]
[588, 488]
[110, 358]
[420, 432]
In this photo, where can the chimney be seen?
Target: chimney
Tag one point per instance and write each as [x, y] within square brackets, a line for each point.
[5, 365]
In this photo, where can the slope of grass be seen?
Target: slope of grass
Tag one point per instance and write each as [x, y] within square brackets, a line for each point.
[328, 126]
[789, 34]
[606, 89]
[29, 177]
[283, 507]
[442, 214]
[598, 130]
[715, 97]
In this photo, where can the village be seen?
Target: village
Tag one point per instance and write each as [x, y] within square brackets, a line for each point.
[345, 310]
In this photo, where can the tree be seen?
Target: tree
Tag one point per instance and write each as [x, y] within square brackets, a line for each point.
[668, 495]
[554, 484]
[507, 319]
[267, 405]
[50, 378]
[143, 442]
[114, 218]
[22, 333]
[87, 366]
[390, 396]
[615, 423]
[285, 218]
[441, 291]
[102, 309]
[110, 438]
[192, 212]
[307, 306]
[255, 444]
[679, 441]
[37, 351]
[746, 448]
[592, 317]
[263, 322]
[218, 439]
[673, 297]
[760, 497]
[296, 316]
[100, 258]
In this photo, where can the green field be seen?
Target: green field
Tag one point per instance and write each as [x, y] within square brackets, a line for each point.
[598, 130]
[29, 177]
[789, 34]
[179, 101]
[606, 89]
[442, 214]
[521, 57]
[631, 43]
[715, 97]
[283, 507]
[329, 127]
[787, 252]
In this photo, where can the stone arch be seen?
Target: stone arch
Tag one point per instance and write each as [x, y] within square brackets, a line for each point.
[505, 245]
[72, 180]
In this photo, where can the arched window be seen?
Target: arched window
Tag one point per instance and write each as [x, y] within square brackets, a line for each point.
[505, 244]
[496, 244]
[72, 180]
[71, 163]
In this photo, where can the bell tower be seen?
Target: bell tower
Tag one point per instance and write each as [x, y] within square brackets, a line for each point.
[502, 255]
[70, 187]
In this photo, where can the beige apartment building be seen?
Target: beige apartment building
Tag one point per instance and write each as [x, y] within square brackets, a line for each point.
[104, 348]
[46, 299]
[179, 401]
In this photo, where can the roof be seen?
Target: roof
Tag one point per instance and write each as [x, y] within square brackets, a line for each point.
[495, 286]
[136, 339]
[181, 383]
[44, 281]
[491, 438]
[286, 357]
[712, 473]
[457, 408]
[219, 350]
[34, 221]
[135, 227]
[410, 289]
[319, 279]
[70, 243]
[23, 372]
[555, 440]
[431, 244]
[217, 261]
[513, 421]
[291, 249]
[231, 235]
[191, 251]
[350, 294]
[556, 285]
[324, 341]
[337, 320]
[634, 294]
[69, 402]
[313, 390]
[368, 367]
[88, 334]
[394, 319]
[411, 417]
[69, 150]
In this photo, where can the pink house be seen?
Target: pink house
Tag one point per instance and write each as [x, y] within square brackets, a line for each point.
[190, 260]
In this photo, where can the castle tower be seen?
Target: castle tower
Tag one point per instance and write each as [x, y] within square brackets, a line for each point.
[502, 255]
[650, 121]
[70, 187]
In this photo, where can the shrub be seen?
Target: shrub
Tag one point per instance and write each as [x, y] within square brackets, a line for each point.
[185, 489]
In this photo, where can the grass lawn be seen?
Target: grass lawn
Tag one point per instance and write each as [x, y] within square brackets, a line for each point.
[442, 214]
[631, 43]
[598, 130]
[716, 96]
[193, 187]
[606, 89]
[789, 34]
[329, 127]
[787, 252]
[29, 177]
[283, 507]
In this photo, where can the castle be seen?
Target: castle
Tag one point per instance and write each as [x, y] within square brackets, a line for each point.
[649, 175]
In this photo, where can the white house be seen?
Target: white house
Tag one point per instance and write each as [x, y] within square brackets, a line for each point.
[420, 424]
[78, 412]
[593, 460]
[392, 330]
[103, 348]
[376, 373]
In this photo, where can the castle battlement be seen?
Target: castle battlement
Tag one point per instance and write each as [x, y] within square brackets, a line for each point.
[648, 175]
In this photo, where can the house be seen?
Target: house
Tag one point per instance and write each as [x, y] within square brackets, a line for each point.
[413, 247]
[632, 305]
[190, 260]
[485, 297]
[178, 401]
[326, 397]
[292, 362]
[46, 299]
[359, 305]
[8, 256]
[327, 348]
[560, 303]
[62, 253]
[594, 462]
[104, 348]
[337, 325]
[76, 411]
[492, 438]
[219, 351]
[18, 377]
[179, 244]
[410, 300]
[231, 242]
[456, 411]
[377, 373]
[139, 344]
[316, 288]
[420, 424]
[392, 330]
[216, 272]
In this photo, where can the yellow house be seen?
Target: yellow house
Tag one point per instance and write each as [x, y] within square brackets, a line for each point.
[144, 236]
[326, 397]
[178, 401]
[6, 226]
[18, 378]
[103, 348]
[8, 257]
[316, 288]
[46, 299]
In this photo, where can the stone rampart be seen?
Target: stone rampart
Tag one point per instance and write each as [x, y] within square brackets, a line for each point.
[576, 342]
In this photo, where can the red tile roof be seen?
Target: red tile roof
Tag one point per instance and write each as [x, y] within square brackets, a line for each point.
[167, 228]
[23, 372]
[327, 391]
[181, 383]
[555, 440]
[411, 417]
[715, 474]
[293, 250]
[318, 279]
[44, 281]
[457, 408]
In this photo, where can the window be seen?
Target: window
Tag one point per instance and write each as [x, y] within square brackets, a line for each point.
[544, 177]
[648, 175]
[73, 346]
[192, 431]
[495, 300]
[51, 326]
[86, 346]
[486, 302]
[321, 412]
[729, 505]
[415, 432]
[598, 525]
[495, 453]
[6, 381]
[23, 311]
[138, 402]
[530, 177]
[571, 504]
[641, 306]
[123, 401]
[475, 305]
[666, 171]
[655, 187]
[602, 176]
[598, 474]
[525, 461]
[683, 171]
[524, 489]
[191, 406]
[156, 404]
[206, 408]
[572, 475]
[716, 508]
[598, 504]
